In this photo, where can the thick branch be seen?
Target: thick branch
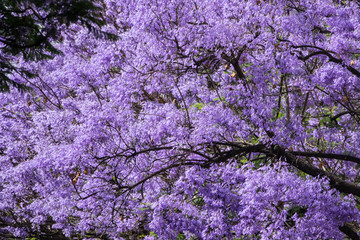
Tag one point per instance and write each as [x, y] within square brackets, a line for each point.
[304, 166]
[225, 156]
[344, 113]
[328, 54]
[349, 232]
[234, 61]
[327, 155]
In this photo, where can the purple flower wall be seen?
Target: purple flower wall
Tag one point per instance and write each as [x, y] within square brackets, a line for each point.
[205, 120]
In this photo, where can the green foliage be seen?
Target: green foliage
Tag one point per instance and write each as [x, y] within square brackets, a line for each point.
[199, 201]
[222, 99]
[152, 234]
[300, 211]
[181, 236]
[247, 237]
[278, 114]
[198, 106]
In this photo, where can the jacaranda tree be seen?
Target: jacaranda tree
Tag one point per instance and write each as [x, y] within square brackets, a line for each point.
[211, 119]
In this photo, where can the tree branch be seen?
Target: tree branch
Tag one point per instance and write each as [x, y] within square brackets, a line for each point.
[327, 155]
[346, 229]
[328, 54]
[224, 156]
[304, 166]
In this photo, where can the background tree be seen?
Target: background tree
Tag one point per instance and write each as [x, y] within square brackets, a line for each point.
[204, 120]
[29, 29]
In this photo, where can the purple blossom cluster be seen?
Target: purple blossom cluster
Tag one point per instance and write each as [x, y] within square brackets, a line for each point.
[205, 120]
